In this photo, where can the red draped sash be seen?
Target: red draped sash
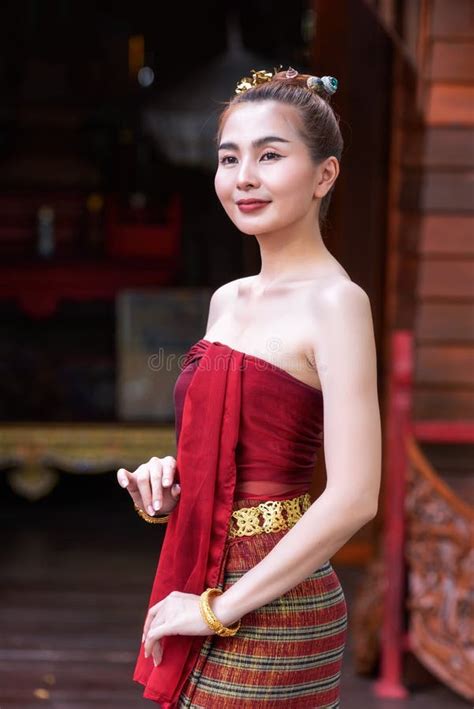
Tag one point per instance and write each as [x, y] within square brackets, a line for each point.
[194, 542]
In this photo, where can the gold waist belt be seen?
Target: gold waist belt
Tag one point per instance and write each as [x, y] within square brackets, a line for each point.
[268, 516]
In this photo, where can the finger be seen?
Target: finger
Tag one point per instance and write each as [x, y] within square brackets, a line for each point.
[150, 617]
[157, 653]
[123, 477]
[169, 467]
[142, 476]
[175, 490]
[155, 633]
[127, 479]
[156, 473]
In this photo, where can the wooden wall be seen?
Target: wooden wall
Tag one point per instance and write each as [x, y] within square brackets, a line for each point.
[430, 245]
[439, 186]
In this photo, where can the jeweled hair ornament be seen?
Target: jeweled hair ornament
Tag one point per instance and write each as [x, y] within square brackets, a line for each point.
[325, 83]
[317, 84]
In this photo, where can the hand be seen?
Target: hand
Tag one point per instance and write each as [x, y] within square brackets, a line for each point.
[177, 614]
[151, 485]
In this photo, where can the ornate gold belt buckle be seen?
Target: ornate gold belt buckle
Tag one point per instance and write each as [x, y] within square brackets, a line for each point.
[268, 516]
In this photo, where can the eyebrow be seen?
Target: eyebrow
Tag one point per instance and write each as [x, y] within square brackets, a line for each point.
[255, 143]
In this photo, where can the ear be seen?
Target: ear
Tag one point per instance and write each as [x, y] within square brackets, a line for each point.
[327, 174]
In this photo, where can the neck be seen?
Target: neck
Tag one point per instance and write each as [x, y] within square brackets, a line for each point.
[293, 253]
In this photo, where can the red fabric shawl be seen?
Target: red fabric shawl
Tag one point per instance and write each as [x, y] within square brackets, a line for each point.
[194, 541]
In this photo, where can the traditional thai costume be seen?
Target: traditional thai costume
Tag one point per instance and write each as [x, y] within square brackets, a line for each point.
[247, 436]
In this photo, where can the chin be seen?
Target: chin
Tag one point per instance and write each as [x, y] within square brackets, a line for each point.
[250, 224]
[247, 230]
[257, 229]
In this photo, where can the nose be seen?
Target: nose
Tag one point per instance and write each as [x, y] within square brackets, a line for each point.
[247, 176]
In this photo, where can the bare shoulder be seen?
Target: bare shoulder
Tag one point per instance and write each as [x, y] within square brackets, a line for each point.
[342, 325]
[222, 298]
[341, 296]
[340, 316]
[226, 293]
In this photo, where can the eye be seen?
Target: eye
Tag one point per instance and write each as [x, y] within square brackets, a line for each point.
[225, 158]
[271, 153]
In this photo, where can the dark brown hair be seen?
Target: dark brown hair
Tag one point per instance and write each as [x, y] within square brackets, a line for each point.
[319, 124]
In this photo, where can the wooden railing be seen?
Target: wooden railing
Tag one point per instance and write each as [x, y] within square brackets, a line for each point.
[427, 546]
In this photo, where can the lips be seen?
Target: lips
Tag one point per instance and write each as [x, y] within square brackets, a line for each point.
[253, 201]
[251, 205]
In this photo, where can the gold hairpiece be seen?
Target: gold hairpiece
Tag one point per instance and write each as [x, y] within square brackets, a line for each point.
[258, 77]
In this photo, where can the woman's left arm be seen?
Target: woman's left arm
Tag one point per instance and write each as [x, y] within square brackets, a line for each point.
[344, 350]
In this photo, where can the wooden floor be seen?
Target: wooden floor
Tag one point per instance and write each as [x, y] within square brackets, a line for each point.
[76, 571]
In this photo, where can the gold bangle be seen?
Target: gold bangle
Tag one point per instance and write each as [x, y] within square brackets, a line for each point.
[162, 519]
[210, 618]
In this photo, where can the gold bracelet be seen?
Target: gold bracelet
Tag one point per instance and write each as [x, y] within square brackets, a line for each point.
[148, 518]
[210, 618]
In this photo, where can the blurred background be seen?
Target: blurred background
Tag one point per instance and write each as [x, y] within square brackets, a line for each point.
[112, 240]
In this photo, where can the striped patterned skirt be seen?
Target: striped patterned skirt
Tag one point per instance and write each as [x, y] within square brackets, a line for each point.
[287, 654]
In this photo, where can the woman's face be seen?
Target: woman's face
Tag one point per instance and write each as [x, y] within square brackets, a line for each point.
[262, 157]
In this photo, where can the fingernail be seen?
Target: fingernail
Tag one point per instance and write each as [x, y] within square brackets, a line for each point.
[157, 504]
[166, 481]
[151, 511]
[177, 487]
[155, 662]
[143, 637]
[124, 482]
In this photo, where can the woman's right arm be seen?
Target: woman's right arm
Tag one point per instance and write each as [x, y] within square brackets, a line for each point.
[151, 485]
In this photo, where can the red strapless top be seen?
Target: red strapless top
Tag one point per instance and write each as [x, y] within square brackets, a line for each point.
[240, 421]
[275, 455]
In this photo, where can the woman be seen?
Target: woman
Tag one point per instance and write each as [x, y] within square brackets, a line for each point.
[242, 531]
